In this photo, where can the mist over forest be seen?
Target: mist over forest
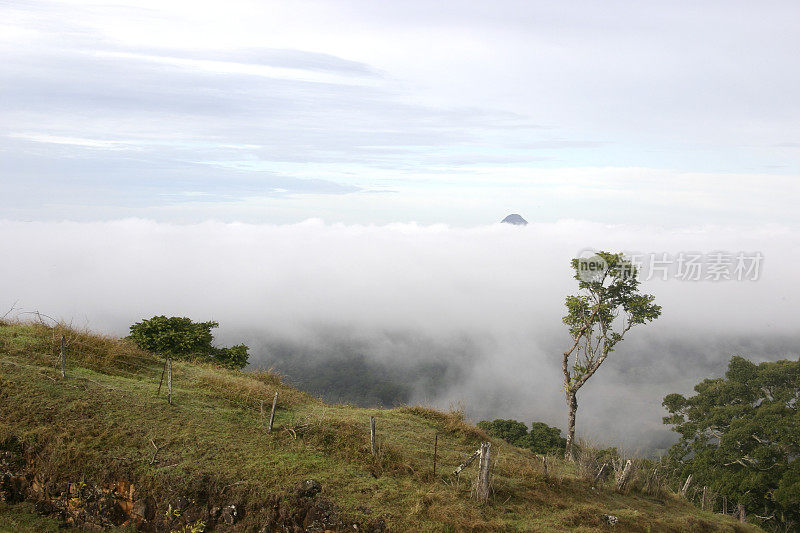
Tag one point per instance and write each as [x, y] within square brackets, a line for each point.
[237, 235]
[405, 313]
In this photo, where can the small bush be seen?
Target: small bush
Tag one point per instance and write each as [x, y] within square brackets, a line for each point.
[182, 338]
[542, 438]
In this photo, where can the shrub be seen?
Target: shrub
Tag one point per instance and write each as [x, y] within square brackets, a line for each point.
[540, 439]
[180, 337]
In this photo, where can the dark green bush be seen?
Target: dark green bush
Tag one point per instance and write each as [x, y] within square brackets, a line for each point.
[540, 439]
[181, 338]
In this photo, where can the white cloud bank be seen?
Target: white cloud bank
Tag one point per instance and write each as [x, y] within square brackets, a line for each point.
[497, 290]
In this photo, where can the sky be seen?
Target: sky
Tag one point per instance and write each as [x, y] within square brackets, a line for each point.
[327, 177]
[376, 112]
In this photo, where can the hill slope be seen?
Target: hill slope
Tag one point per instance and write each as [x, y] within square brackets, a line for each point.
[100, 447]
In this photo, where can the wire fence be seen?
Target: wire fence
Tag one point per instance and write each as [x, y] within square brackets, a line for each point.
[387, 435]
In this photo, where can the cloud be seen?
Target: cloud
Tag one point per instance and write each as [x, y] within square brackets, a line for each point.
[277, 112]
[291, 71]
[479, 307]
[72, 141]
[472, 90]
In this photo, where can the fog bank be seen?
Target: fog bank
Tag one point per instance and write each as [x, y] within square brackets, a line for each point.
[458, 315]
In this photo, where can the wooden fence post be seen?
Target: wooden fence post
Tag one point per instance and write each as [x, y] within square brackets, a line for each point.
[169, 380]
[703, 501]
[625, 476]
[161, 382]
[435, 449]
[685, 488]
[466, 463]
[63, 356]
[742, 513]
[372, 434]
[272, 413]
[724, 505]
[482, 482]
[600, 474]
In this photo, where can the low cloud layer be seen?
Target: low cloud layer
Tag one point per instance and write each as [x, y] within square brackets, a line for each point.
[470, 316]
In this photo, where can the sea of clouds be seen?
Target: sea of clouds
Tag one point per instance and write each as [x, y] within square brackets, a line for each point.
[485, 302]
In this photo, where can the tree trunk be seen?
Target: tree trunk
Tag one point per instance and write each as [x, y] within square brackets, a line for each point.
[572, 402]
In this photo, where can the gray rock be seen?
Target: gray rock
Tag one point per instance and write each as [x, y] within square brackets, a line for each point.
[320, 517]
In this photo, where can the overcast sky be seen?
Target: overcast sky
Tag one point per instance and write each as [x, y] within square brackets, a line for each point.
[324, 173]
[373, 112]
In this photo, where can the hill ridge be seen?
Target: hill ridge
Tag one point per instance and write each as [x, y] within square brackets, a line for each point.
[101, 448]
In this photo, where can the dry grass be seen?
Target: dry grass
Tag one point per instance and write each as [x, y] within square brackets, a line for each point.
[41, 343]
[97, 424]
[250, 390]
[452, 421]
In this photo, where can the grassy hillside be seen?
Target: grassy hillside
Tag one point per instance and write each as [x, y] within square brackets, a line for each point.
[105, 427]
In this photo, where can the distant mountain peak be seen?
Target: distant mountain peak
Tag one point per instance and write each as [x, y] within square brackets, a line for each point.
[515, 219]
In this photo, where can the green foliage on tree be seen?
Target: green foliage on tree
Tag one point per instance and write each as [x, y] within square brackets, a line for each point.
[545, 439]
[233, 357]
[740, 436]
[509, 430]
[606, 307]
[540, 439]
[179, 337]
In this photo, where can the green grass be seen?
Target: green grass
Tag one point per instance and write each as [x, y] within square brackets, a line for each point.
[22, 518]
[100, 423]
